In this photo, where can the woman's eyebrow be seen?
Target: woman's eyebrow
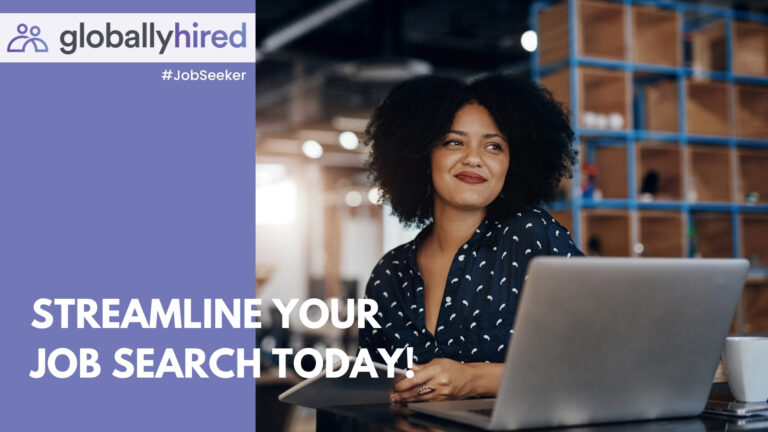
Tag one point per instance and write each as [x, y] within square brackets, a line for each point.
[485, 136]
[488, 135]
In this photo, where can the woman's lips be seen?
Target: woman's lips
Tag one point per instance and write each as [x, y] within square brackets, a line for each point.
[470, 177]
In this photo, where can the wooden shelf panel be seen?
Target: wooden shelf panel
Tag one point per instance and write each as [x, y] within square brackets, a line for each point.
[601, 29]
[611, 162]
[656, 35]
[553, 33]
[710, 172]
[754, 238]
[750, 48]
[708, 47]
[603, 93]
[714, 237]
[666, 160]
[559, 84]
[661, 106]
[661, 233]
[707, 108]
[751, 111]
[610, 229]
[754, 299]
[753, 173]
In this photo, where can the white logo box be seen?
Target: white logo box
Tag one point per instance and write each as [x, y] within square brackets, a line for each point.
[53, 25]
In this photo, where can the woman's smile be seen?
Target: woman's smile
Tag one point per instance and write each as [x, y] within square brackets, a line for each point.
[470, 177]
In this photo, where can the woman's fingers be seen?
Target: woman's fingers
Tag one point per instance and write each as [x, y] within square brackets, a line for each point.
[421, 375]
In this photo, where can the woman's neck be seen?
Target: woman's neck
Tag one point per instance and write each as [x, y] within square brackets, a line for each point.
[453, 227]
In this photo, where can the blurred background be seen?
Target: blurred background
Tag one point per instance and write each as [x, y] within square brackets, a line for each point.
[668, 99]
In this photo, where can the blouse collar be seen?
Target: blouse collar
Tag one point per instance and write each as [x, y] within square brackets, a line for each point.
[485, 233]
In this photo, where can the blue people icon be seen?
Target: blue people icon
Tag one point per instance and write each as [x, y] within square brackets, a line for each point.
[20, 42]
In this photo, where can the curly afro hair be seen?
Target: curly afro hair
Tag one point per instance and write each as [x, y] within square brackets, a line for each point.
[418, 113]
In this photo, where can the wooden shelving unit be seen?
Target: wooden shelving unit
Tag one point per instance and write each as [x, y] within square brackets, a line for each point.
[661, 96]
[755, 304]
[708, 47]
[713, 234]
[710, 173]
[666, 160]
[691, 85]
[751, 111]
[751, 42]
[602, 21]
[754, 246]
[605, 93]
[612, 163]
[661, 234]
[652, 31]
[707, 108]
[753, 174]
[610, 228]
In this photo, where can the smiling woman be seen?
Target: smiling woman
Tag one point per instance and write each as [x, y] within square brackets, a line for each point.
[470, 163]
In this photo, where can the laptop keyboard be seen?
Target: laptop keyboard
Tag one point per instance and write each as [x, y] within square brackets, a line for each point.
[483, 412]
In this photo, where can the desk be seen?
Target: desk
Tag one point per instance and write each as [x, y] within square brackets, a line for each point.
[379, 417]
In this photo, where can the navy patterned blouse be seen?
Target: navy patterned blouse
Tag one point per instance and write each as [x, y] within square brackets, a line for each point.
[481, 293]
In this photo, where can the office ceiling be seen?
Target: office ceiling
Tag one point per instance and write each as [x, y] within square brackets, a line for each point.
[321, 59]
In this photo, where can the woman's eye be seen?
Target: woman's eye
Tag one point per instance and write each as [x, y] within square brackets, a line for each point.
[494, 146]
[452, 143]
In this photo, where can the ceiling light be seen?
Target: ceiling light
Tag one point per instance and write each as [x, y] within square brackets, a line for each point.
[374, 194]
[529, 41]
[348, 140]
[312, 149]
[353, 198]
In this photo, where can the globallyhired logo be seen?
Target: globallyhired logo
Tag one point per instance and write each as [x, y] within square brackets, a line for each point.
[149, 36]
[27, 37]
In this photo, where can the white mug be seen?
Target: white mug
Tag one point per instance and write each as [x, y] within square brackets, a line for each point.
[746, 364]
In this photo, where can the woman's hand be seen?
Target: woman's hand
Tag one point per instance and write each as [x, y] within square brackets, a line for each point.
[445, 379]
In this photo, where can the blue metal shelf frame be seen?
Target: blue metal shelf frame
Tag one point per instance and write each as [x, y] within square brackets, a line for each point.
[628, 137]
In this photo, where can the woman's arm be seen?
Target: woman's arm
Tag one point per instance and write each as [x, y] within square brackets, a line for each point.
[446, 379]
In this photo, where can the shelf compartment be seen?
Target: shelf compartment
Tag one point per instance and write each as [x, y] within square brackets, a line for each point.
[553, 33]
[601, 29]
[661, 107]
[604, 94]
[661, 233]
[708, 47]
[666, 160]
[754, 238]
[714, 237]
[656, 35]
[611, 230]
[754, 300]
[710, 172]
[611, 162]
[707, 108]
[750, 48]
[559, 84]
[753, 174]
[751, 111]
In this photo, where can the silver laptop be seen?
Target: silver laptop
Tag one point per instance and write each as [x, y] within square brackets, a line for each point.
[609, 339]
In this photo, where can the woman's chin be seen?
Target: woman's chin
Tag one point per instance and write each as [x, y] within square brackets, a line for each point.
[469, 204]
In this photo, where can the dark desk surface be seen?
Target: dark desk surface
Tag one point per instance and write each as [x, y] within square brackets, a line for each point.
[374, 418]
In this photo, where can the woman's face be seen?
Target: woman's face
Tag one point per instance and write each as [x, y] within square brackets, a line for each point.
[470, 164]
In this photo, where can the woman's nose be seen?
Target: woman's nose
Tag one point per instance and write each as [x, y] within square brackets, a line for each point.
[472, 156]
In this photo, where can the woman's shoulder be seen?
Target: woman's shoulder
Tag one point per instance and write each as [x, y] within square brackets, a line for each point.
[393, 264]
[532, 218]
